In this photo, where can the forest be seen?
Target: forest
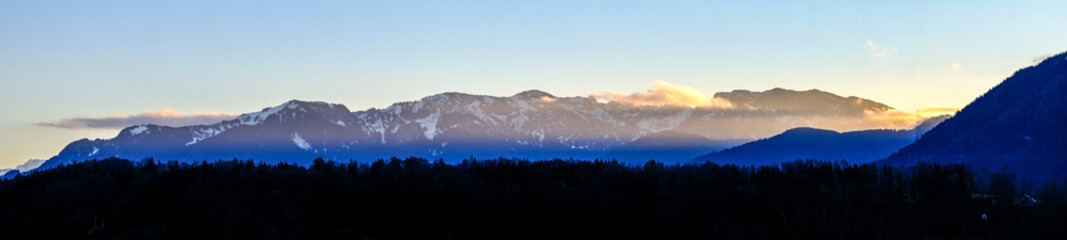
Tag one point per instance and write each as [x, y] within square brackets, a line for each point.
[417, 198]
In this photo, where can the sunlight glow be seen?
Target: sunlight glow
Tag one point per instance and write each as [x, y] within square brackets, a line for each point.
[665, 94]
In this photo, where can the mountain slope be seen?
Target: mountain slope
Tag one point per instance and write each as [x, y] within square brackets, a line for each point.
[531, 124]
[1019, 125]
[828, 145]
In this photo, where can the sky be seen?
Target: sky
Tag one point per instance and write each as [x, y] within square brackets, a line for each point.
[100, 61]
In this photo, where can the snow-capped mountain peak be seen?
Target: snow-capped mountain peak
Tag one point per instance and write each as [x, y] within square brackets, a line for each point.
[256, 118]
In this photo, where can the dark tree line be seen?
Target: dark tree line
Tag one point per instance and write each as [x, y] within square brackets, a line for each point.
[508, 199]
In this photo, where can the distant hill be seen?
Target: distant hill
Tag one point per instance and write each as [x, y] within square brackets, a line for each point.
[827, 145]
[1020, 125]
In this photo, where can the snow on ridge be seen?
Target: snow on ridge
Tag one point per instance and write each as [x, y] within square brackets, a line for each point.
[340, 123]
[257, 118]
[300, 142]
[138, 130]
[95, 151]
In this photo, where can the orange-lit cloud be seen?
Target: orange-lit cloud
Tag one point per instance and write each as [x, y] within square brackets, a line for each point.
[894, 119]
[165, 117]
[664, 93]
[936, 111]
[901, 120]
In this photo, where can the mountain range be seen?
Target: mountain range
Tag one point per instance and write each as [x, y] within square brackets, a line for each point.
[1019, 126]
[454, 126]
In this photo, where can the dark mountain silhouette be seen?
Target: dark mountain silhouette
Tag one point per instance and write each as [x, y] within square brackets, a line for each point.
[454, 126]
[827, 145]
[1019, 125]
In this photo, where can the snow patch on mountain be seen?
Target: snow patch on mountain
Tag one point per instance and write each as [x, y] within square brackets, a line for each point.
[138, 130]
[429, 124]
[540, 134]
[300, 142]
[418, 105]
[520, 121]
[95, 151]
[207, 132]
[475, 108]
[377, 126]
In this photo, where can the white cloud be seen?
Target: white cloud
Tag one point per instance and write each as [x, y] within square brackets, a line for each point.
[956, 65]
[878, 51]
[165, 117]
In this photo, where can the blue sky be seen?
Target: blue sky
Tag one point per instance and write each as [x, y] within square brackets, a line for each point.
[64, 59]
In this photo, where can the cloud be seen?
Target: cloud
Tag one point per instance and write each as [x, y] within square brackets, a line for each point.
[894, 119]
[956, 65]
[936, 111]
[877, 50]
[664, 93]
[165, 117]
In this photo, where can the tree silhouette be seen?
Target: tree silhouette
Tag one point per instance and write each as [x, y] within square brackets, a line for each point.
[413, 198]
